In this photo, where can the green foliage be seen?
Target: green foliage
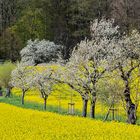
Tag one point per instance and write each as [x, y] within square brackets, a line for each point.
[30, 25]
[5, 73]
[65, 22]
[10, 44]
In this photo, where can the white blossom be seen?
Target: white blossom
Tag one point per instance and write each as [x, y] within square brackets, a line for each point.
[37, 52]
[21, 77]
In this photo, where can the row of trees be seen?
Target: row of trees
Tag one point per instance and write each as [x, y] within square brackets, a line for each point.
[106, 55]
[65, 22]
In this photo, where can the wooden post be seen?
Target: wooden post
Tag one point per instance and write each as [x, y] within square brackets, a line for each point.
[71, 108]
[111, 109]
[59, 103]
[113, 113]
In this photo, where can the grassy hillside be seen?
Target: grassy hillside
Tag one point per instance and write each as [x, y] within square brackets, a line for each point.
[21, 124]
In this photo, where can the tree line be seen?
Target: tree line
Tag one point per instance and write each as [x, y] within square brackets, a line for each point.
[64, 22]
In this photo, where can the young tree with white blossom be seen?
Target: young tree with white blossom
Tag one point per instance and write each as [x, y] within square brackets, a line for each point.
[44, 83]
[21, 77]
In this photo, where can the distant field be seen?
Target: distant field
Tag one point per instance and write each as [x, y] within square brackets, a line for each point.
[26, 124]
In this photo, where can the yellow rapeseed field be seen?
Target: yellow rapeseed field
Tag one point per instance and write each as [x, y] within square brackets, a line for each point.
[25, 124]
[60, 99]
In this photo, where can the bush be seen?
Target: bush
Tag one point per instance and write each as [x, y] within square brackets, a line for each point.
[5, 73]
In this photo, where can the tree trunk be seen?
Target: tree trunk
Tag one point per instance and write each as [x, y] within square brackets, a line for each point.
[1, 92]
[45, 103]
[130, 106]
[8, 92]
[84, 111]
[22, 99]
[93, 101]
[92, 109]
